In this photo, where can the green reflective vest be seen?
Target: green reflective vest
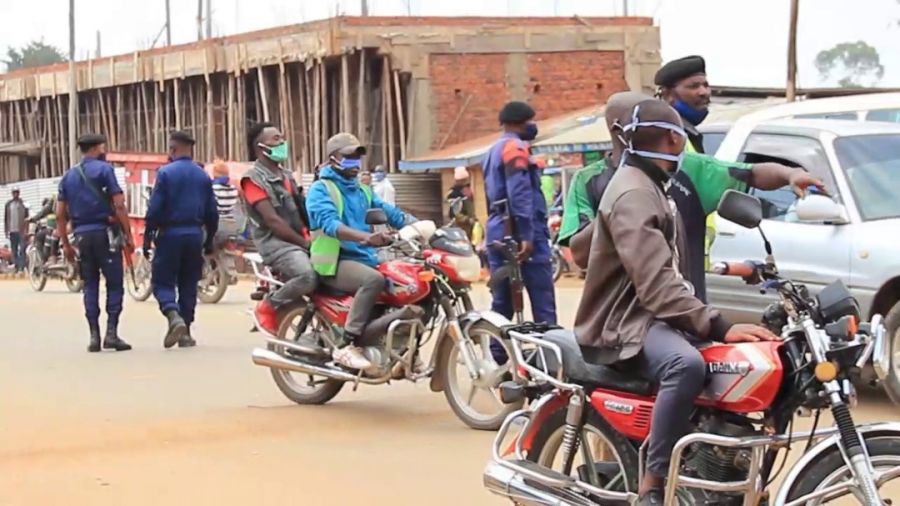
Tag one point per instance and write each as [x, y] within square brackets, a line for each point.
[325, 251]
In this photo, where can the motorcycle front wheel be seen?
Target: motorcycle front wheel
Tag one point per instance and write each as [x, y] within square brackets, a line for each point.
[830, 469]
[140, 287]
[36, 276]
[214, 282]
[477, 401]
[298, 387]
[556, 261]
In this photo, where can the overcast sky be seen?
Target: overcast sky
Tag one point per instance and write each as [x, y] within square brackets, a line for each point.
[744, 41]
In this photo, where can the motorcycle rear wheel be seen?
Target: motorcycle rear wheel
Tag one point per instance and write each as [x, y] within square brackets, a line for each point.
[830, 469]
[308, 390]
[75, 284]
[215, 281]
[556, 261]
[546, 448]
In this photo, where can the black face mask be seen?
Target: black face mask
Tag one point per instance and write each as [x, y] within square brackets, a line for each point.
[101, 157]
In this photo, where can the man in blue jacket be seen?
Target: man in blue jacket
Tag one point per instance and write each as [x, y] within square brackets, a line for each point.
[182, 205]
[510, 176]
[337, 206]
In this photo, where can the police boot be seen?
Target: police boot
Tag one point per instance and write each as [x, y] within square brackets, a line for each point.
[113, 342]
[177, 329]
[187, 341]
[95, 338]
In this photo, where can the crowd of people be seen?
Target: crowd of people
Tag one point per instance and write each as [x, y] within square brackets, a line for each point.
[637, 221]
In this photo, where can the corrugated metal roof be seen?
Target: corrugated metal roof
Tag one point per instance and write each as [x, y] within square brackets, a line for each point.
[471, 152]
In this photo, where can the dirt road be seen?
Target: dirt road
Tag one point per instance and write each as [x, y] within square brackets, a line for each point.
[206, 426]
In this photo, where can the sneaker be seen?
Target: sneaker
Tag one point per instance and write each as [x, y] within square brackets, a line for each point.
[351, 357]
[653, 498]
[266, 318]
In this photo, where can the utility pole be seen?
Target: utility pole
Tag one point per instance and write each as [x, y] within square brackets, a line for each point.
[168, 24]
[364, 7]
[791, 88]
[73, 90]
[98, 53]
[208, 19]
[625, 8]
[199, 19]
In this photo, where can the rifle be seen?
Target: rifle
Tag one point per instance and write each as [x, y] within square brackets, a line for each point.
[512, 269]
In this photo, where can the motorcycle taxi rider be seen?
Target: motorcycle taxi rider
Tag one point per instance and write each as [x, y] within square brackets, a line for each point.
[43, 234]
[344, 247]
[637, 278]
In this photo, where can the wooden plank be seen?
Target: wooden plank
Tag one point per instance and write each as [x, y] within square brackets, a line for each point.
[361, 99]
[177, 101]
[304, 119]
[229, 119]
[110, 122]
[263, 92]
[389, 108]
[241, 125]
[49, 150]
[317, 114]
[103, 117]
[145, 143]
[345, 93]
[157, 116]
[382, 106]
[62, 148]
[326, 117]
[401, 120]
[118, 117]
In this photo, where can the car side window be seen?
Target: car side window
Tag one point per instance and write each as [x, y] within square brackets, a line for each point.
[888, 115]
[792, 150]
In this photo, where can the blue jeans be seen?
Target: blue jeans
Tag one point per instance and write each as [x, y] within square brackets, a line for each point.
[17, 245]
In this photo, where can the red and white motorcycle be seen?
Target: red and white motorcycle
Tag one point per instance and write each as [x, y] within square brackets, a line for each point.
[426, 298]
[583, 441]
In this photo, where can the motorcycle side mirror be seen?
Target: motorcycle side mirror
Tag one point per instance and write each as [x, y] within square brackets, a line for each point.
[376, 216]
[740, 208]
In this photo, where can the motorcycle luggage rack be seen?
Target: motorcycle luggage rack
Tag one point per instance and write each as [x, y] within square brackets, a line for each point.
[537, 364]
[261, 270]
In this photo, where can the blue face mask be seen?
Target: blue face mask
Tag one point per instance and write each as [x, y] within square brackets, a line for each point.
[351, 163]
[689, 113]
[530, 133]
[378, 176]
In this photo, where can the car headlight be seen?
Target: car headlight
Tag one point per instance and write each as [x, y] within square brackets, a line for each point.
[468, 268]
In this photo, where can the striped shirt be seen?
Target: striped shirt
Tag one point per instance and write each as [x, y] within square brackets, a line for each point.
[226, 199]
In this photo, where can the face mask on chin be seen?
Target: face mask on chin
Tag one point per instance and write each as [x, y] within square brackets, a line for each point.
[694, 116]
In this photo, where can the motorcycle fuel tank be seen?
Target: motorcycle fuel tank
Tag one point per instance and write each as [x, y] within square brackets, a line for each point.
[743, 377]
[403, 283]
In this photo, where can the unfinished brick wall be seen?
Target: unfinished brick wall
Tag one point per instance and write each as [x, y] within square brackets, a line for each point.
[475, 87]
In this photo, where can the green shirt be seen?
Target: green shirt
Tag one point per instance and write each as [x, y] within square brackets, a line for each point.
[578, 208]
[548, 187]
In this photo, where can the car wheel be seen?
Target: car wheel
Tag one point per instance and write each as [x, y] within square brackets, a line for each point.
[892, 382]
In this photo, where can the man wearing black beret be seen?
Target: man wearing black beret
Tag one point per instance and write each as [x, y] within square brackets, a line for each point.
[683, 85]
[182, 220]
[517, 207]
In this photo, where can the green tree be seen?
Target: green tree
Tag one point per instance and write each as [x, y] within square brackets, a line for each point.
[856, 63]
[33, 54]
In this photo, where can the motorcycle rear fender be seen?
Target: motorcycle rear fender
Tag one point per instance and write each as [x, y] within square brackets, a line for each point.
[881, 429]
[466, 321]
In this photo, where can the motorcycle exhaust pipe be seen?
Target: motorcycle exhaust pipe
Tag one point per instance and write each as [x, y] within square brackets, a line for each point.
[507, 483]
[273, 360]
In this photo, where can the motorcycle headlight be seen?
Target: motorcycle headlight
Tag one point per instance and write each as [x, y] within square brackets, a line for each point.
[468, 268]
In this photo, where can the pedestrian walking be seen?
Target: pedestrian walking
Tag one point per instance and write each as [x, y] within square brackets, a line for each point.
[15, 216]
[90, 197]
[182, 207]
[383, 187]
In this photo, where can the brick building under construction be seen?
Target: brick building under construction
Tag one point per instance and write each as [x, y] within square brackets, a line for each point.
[405, 85]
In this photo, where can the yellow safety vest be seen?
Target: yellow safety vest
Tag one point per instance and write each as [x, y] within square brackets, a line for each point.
[325, 251]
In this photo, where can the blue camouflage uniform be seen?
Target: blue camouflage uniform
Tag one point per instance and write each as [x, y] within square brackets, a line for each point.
[510, 175]
[181, 205]
[90, 211]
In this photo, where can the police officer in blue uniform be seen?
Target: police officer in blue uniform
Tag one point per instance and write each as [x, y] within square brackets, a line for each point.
[182, 205]
[510, 175]
[92, 200]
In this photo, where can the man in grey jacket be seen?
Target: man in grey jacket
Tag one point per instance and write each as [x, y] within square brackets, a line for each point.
[15, 214]
[638, 305]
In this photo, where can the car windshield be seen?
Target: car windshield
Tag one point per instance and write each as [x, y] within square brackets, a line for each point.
[872, 165]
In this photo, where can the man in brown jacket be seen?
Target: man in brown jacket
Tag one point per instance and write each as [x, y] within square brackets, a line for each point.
[637, 304]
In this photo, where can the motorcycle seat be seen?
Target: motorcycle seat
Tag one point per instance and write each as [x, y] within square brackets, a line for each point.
[579, 370]
[329, 291]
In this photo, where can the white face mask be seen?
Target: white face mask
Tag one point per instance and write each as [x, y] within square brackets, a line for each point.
[637, 123]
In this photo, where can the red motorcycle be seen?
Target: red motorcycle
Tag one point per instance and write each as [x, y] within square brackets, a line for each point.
[583, 440]
[426, 297]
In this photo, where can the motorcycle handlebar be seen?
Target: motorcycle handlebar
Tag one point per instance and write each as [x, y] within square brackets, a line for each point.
[737, 269]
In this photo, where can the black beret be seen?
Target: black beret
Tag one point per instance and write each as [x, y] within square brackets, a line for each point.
[88, 140]
[182, 136]
[676, 70]
[516, 112]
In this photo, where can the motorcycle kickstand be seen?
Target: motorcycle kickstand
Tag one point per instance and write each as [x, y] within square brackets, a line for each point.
[357, 380]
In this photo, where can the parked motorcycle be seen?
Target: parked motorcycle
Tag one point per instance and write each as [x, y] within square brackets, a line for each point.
[41, 265]
[139, 285]
[426, 298]
[584, 440]
[219, 272]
